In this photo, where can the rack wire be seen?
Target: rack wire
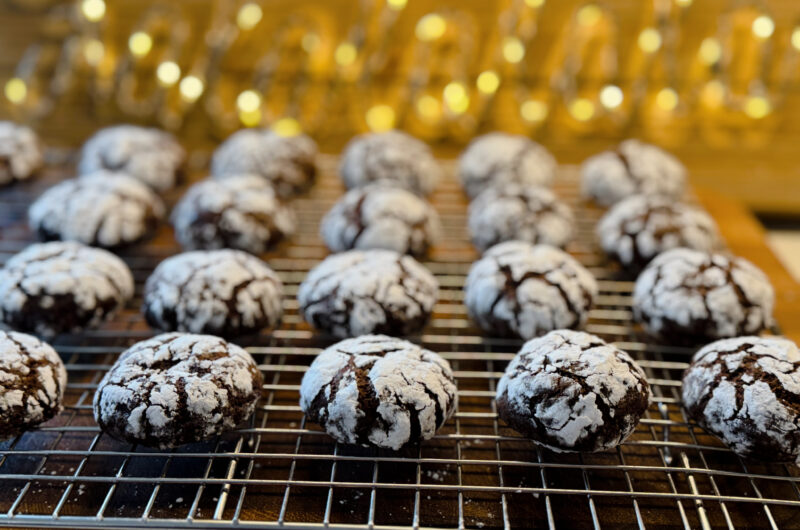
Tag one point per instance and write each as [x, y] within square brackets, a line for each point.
[279, 471]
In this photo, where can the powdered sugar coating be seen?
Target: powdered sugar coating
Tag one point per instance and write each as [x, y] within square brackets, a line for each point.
[371, 291]
[746, 390]
[378, 390]
[150, 155]
[242, 212]
[221, 292]
[57, 287]
[32, 383]
[20, 152]
[391, 157]
[531, 214]
[634, 167]
[518, 289]
[499, 159]
[570, 391]
[381, 216]
[177, 388]
[100, 209]
[288, 163]
[688, 296]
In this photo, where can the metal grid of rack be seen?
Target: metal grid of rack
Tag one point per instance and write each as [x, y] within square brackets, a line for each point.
[278, 471]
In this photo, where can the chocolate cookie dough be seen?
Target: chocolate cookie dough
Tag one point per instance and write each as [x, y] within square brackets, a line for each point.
[20, 153]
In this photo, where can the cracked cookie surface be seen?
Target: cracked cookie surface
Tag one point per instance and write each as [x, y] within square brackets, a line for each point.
[380, 391]
[220, 292]
[522, 290]
[687, 296]
[176, 389]
[571, 391]
[20, 152]
[371, 291]
[59, 287]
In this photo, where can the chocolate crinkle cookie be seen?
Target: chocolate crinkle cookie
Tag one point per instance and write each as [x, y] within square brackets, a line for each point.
[60, 287]
[520, 290]
[176, 389]
[20, 153]
[499, 159]
[746, 391]
[640, 227]
[371, 291]
[570, 391]
[379, 391]
[242, 213]
[514, 212]
[391, 157]
[286, 162]
[634, 167]
[220, 292]
[100, 209]
[32, 383]
[150, 155]
[381, 216]
[690, 297]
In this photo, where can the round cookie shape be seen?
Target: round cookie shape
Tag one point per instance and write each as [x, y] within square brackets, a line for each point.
[242, 213]
[571, 391]
[634, 167]
[514, 212]
[521, 290]
[177, 388]
[219, 292]
[371, 291]
[500, 159]
[150, 155]
[20, 152]
[746, 391]
[379, 391]
[687, 296]
[640, 227]
[286, 162]
[381, 216]
[60, 287]
[32, 383]
[390, 157]
[100, 209]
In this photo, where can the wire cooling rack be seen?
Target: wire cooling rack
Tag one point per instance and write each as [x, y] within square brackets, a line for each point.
[279, 471]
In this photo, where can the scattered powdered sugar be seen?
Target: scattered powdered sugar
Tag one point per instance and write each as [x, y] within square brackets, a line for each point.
[570, 391]
[500, 158]
[20, 152]
[525, 213]
[383, 217]
[523, 290]
[378, 390]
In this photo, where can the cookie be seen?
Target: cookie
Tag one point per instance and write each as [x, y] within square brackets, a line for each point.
[380, 216]
[150, 155]
[100, 209]
[242, 213]
[634, 167]
[177, 388]
[531, 214]
[391, 157]
[690, 297]
[378, 391]
[62, 287]
[368, 291]
[640, 227]
[746, 391]
[286, 162]
[20, 153]
[219, 292]
[500, 159]
[520, 290]
[32, 383]
[571, 392]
